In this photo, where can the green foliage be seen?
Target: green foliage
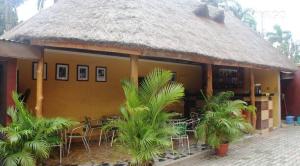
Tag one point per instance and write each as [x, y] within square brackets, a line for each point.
[283, 40]
[8, 14]
[143, 129]
[40, 4]
[223, 121]
[246, 15]
[27, 138]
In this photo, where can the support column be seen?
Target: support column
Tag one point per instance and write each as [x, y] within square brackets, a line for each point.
[39, 86]
[252, 97]
[134, 74]
[209, 85]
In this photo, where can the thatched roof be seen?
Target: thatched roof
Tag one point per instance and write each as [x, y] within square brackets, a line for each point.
[161, 25]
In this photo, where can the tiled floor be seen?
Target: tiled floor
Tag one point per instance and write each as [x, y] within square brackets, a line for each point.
[112, 155]
[278, 148]
[79, 156]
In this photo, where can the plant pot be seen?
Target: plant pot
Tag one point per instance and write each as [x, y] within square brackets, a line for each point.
[289, 119]
[222, 150]
[298, 120]
[246, 115]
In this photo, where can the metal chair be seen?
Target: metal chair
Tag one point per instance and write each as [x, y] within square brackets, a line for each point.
[181, 128]
[194, 115]
[93, 124]
[191, 125]
[112, 131]
[60, 144]
[79, 132]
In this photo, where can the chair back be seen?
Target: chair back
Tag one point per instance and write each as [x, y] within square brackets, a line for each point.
[181, 128]
[86, 130]
[87, 121]
[192, 123]
[194, 115]
[86, 126]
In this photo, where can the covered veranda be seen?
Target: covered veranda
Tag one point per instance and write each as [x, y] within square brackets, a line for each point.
[76, 99]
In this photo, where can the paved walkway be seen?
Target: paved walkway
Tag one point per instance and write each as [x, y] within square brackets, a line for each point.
[281, 147]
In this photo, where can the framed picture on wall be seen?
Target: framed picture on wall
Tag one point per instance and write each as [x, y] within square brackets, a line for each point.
[82, 72]
[34, 70]
[225, 77]
[101, 74]
[62, 72]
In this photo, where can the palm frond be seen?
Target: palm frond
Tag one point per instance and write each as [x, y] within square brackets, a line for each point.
[153, 83]
[27, 138]
[223, 121]
[143, 131]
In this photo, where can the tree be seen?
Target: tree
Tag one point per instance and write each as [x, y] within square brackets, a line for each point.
[282, 40]
[40, 4]
[246, 15]
[297, 52]
[8, 14]
[143, 130]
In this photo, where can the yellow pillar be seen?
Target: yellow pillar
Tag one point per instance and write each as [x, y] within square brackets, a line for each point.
[39, 86]
[134, 69]
[252, 97]
[209, 85]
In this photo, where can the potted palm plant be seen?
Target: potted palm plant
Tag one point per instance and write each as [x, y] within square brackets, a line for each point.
[143, 130]
[223, 121]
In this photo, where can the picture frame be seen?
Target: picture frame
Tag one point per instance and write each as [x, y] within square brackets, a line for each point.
[62, 72]
[82, 72]
[226, 77]
[101, 74]
[34, 71]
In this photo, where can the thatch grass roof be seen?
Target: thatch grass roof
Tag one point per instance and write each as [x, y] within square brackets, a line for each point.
[163, 25]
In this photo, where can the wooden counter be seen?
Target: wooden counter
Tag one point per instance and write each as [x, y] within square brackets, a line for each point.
[264, 113]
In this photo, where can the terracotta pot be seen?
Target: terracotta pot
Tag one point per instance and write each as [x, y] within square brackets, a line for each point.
[246, 115]
[222, 150]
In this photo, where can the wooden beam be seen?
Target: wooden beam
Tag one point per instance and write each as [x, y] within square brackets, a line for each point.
[191, 57]
[85, 46]
[196, 58]
[17, 50]
[39, 86]
[252, 97]
[134, 75]
[209, 85]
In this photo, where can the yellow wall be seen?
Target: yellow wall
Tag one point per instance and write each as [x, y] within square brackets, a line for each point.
[76, 99]
[270, 84]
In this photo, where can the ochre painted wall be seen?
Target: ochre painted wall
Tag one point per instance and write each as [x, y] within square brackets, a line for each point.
[270, 84]
[76, 99]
